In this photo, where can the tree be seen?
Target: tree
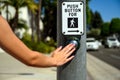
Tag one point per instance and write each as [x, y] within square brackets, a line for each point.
[88, 13]
[97, 20]
[115, 26]
[50, 20]
[0, 7]
[32, 25]
[17, 4]
[94, 33]
[37, 19]
[105, 29]
[91, 19]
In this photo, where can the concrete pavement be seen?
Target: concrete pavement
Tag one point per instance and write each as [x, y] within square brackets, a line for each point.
[100, 70]
[11, 69]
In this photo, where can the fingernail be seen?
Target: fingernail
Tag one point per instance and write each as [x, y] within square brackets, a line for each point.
[73, 44]
[60, 47]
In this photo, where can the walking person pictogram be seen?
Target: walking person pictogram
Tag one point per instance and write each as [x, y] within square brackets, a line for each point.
[72, 23]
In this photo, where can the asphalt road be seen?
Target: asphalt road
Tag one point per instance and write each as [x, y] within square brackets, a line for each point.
[108, 55]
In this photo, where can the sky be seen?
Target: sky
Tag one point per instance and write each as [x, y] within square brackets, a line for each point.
[108, 9]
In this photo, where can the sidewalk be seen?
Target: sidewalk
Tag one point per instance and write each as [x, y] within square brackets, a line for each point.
[100, 70]
[11, 69]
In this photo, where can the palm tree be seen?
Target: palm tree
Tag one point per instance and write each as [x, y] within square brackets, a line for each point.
[50, 7]
[38, 14]
[17, 4]
[0, 7]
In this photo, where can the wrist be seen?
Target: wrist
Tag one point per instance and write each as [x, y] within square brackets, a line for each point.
[53, 62]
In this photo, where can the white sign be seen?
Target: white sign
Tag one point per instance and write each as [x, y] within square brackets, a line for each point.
[72, 18]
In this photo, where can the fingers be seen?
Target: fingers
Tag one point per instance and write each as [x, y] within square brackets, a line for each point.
[69, 45]
[63, 55]
[68, 48]
[58, 49]
[69, 59]
[70, 52]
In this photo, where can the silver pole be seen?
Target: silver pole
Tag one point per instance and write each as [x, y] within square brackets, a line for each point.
[75, 69]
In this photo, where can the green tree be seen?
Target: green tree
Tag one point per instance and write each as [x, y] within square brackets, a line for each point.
[97, 20]
[105, 29]
[88, 12]
[37, 20]
[115, 26]
[92, 19]
[50, 20]
[0, 7]
[94, 33]
[17, 4]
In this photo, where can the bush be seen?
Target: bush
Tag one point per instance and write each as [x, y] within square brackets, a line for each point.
[94, 33]
[41, 47]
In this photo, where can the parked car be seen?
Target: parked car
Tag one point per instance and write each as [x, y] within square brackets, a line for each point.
[92, 44]
[112, 42]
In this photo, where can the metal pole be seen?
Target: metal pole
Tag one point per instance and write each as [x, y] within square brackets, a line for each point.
[75, 69]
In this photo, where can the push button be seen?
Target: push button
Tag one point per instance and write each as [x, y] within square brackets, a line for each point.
[75, 41]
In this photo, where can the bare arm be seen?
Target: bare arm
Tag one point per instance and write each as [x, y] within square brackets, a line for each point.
[11, 44]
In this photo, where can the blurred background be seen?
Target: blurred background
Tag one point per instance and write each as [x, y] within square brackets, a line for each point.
[35, 23]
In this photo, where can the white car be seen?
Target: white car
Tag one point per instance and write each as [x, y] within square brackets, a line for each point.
[112, 42]
[92, 44]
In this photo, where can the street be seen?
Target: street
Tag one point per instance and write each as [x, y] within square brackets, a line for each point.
[108, 55]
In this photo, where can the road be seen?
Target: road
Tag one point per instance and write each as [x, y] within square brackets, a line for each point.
[110, 56]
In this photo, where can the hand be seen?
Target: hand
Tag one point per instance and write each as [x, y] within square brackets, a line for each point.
[61, 56]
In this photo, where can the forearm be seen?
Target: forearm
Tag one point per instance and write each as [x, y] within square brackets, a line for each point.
[41, 60]
[10, 43]
[16, 48]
